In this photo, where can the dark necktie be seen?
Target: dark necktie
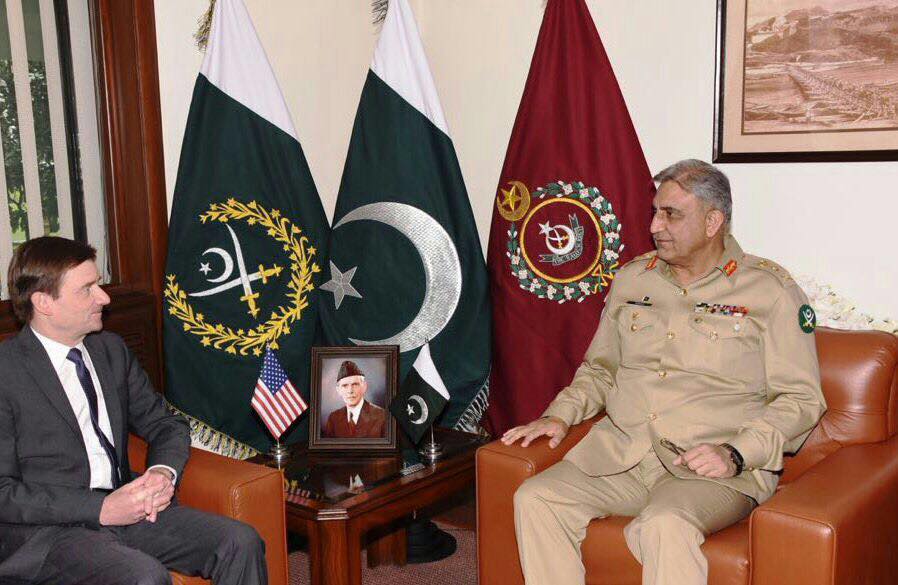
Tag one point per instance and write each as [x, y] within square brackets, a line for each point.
[88, 385]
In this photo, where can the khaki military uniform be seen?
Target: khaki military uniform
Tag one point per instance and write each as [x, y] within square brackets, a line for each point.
[729, 358]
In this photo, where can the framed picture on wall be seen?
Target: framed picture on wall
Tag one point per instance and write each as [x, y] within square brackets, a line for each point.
[350, 398]
[806, 80]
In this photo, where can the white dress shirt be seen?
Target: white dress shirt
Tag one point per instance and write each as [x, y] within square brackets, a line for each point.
[353, 412]
[100, 466]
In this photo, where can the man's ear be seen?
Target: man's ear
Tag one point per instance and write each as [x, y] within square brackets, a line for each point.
[714, 221]
[42, 303]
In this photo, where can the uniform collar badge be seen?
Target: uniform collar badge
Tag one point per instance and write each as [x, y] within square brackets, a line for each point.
[730, 267]
[652, 263]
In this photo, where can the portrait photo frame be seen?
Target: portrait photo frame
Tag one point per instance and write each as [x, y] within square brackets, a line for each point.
[338, 424]
[804, 81]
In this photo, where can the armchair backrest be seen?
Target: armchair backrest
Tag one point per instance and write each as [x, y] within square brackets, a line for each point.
[859, 375]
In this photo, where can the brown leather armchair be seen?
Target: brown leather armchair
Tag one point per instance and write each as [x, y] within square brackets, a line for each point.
[834, 519]
[248, 492]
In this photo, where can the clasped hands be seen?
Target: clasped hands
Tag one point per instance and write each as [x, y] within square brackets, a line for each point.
[705, 459]
[141, 499]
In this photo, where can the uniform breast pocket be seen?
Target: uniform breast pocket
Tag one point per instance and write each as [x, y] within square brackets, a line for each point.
[641, 331]
[725, 346]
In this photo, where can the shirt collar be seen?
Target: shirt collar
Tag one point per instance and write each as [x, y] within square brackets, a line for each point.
[727, 265]
[731, 258]
[58, 352]
[355, 410]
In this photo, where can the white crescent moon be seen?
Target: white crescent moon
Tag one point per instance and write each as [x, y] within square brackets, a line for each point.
[228, 264]
[420, 402]
[442, 270]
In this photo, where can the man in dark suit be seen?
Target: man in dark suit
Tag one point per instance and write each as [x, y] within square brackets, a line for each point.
[359, 418]
[71, 510]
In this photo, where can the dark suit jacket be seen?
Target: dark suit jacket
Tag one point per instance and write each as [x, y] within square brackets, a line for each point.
[44, 469]
[371, 423]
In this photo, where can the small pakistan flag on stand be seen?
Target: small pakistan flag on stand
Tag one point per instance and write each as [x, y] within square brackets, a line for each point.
[422, 397]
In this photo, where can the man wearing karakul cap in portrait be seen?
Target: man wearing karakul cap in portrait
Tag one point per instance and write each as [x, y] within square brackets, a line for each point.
[359, 418]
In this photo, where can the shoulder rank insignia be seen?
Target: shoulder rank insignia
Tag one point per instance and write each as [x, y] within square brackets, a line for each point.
[774, 269]
[728, 310]
[730, 267]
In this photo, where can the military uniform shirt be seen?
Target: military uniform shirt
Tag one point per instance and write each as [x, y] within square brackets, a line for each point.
[729, 358]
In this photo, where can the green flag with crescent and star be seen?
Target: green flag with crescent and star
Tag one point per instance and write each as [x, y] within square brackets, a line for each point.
[246, 236]
[406, 267]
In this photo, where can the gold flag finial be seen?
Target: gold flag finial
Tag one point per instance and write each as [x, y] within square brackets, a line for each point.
[379, 10]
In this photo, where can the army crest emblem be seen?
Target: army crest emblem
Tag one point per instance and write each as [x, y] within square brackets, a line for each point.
[564, 240]
[298, 258]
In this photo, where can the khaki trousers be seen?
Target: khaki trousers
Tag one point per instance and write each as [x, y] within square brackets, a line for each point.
[673, 516]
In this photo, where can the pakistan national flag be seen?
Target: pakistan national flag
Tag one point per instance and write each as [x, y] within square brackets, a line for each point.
[406, 266]
[421, 398]
[246, 233]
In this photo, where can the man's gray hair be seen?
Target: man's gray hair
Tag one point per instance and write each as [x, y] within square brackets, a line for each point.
[703, 180]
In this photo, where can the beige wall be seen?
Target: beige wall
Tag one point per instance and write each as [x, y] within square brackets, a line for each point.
[833, 222]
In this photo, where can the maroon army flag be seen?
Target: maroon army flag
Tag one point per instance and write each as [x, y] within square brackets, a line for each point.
[573, 204]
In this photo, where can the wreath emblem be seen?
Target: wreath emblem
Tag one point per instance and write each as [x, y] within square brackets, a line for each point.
[568, 243]
[300, 253]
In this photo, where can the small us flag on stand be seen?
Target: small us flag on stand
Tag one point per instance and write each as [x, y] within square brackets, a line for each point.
[275, 398]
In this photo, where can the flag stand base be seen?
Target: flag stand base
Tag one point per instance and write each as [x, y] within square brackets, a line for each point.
[431, 450]
[279, 453]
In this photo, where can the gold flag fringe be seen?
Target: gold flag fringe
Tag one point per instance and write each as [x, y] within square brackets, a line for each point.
[204, 25]
[204, 436]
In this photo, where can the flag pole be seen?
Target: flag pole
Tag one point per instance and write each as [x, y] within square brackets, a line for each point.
[279, 452]
[431, 450]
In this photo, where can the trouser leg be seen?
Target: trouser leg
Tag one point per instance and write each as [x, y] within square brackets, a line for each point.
[80, 556]
[667, 535]
[552, 511]
[194, 542]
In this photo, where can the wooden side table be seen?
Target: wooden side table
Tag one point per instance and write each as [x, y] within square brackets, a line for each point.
[336, 501]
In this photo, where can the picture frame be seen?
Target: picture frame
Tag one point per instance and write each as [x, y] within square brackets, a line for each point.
[351, 391]
[804, 81]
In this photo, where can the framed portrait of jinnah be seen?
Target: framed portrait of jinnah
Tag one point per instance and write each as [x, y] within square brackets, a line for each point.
[806, 80]
[350, 398]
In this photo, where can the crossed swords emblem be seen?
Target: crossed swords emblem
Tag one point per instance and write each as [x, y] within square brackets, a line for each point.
[243, 278]
[808, 315]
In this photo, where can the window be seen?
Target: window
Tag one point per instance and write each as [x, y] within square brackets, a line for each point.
[49, 140]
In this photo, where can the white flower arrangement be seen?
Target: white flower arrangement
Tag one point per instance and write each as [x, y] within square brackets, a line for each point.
[838, 312]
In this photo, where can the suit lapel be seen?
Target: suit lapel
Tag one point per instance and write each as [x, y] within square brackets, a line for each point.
[38, 364]
[108, 387]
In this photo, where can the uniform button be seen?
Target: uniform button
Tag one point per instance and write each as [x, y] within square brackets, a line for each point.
[698, 319]
[662, 373]
[683, 291]
[737, 327]
[633, 327]
[671, 334]
[653, 416]
[714, 336]
[635, 315]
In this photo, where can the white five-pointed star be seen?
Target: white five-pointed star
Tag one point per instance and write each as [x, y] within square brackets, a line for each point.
[545, 228]
[339, 284]
[411, 410]
[204, 268]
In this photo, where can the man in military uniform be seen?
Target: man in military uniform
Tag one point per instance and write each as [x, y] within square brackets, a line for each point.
[705, 366]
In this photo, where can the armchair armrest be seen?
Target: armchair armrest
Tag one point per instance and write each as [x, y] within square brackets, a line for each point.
[500, 470]
[832, 514]
[248, 492]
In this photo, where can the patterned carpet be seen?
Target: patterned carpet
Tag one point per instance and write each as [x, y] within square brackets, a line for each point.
[458, 569]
